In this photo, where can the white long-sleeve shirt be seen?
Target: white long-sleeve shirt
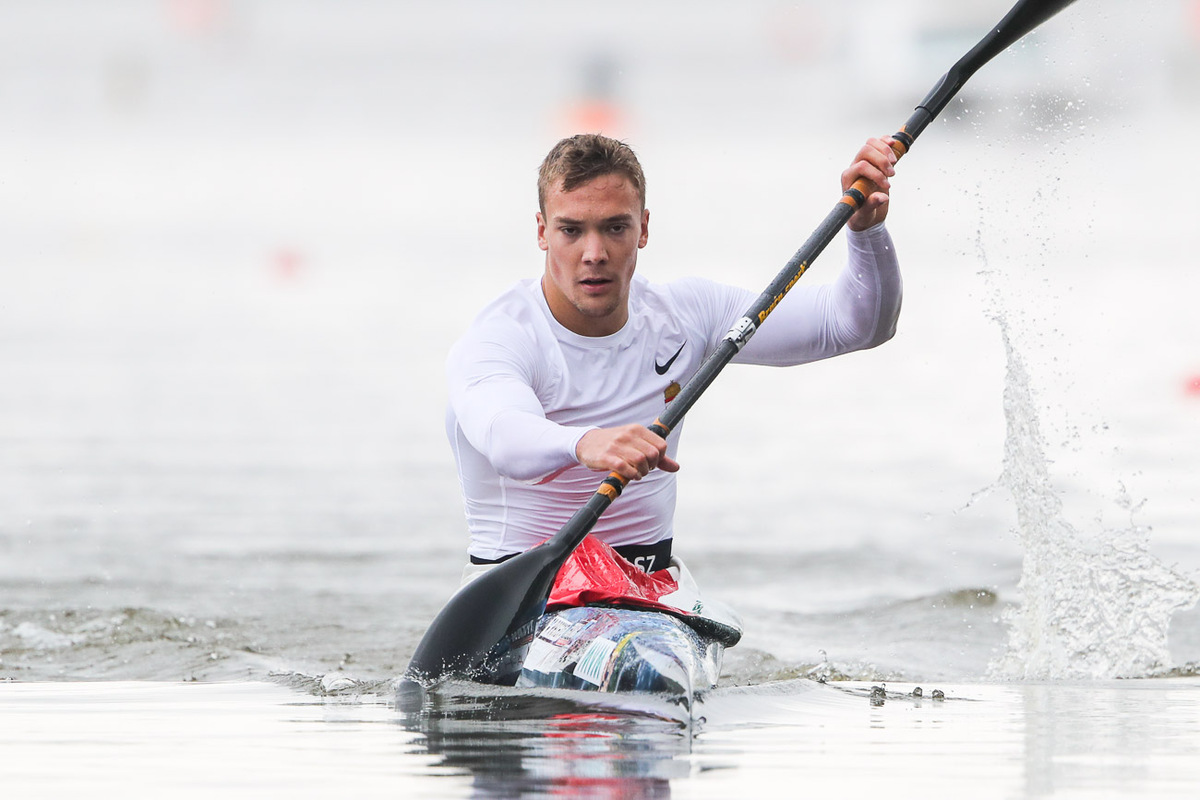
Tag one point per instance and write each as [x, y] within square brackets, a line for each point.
[523, 389]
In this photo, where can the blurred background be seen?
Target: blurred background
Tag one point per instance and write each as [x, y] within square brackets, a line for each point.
[313, 135]
[238, 236]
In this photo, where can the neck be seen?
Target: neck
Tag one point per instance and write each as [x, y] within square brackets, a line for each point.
[574, 320]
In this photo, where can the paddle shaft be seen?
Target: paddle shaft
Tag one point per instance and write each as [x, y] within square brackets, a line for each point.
[1022, 18]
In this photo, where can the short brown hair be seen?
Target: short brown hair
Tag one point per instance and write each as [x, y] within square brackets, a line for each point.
[580, 158]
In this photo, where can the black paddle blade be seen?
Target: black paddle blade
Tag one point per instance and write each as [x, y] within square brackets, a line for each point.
[483, 631]
[1020, 20]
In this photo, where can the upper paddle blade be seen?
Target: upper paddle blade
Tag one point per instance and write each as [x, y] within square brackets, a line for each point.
[1020, 20]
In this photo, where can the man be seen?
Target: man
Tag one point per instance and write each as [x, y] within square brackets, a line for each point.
[555, 381]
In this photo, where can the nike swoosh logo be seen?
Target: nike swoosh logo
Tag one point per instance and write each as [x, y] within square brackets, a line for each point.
[661, 369]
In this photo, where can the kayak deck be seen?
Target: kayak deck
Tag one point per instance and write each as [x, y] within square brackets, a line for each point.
[620, 650]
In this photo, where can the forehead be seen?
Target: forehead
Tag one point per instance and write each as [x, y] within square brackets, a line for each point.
[604, 195]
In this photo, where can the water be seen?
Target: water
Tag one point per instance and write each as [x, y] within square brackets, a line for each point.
[1032, 740]
[1089, 609]
[227, 510]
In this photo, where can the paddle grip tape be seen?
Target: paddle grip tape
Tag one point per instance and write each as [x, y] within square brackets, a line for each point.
[611, 486]
[853, 196]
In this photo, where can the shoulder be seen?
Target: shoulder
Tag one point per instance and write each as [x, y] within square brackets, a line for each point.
[514, 305]
[677, 293]
[705, 301]
[510, 329]
[513, 314]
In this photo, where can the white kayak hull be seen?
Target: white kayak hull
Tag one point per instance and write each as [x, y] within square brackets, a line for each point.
[620, 650]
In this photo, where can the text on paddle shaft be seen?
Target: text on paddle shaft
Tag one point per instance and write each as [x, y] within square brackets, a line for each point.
[762, 315]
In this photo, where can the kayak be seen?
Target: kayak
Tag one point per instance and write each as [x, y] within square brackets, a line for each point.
[620, 650]
[610, 627]
[604, 625]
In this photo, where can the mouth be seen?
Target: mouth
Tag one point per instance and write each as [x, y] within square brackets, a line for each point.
[594, 284]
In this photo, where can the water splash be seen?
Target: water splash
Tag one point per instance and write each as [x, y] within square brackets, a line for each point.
[1092, 607]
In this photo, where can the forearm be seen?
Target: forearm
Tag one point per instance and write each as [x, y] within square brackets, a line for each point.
[858, 310]
[499, 414]
[869, 290]
[527, 447]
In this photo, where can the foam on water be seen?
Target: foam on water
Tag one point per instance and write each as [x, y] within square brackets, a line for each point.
[1093, 606]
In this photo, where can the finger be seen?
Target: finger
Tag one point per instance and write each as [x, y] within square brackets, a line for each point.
[871, 165]
[651, 452]
[626, 468]
[642, 464]
[635, 459]
[659, 454]
[879, 154]
[659, 459]
[868, 171]
[645, 438]
[883, 161]
[873, 211]
[885, 145]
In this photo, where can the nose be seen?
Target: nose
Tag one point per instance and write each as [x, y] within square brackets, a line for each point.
[594, 251]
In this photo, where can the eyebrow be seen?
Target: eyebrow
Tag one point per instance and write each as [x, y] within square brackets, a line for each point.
[628, 218]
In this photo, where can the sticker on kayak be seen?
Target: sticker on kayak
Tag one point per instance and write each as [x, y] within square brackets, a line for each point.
[559, 631]
[669, 668]
[592, 666]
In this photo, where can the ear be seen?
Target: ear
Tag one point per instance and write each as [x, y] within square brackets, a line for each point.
[645, 228]
[541, 229]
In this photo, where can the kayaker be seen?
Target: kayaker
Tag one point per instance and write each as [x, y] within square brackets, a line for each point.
[555, 381]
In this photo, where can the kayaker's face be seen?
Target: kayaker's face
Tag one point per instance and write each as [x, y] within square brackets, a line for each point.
[591, 236]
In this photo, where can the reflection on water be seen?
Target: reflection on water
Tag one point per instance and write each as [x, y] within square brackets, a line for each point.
[1124, 737]
[1137, 738]
[1034, 740]
[561, 743]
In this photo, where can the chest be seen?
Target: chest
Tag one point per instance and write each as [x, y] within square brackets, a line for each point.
[629, 382]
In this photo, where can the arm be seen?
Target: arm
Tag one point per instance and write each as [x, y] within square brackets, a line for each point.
[856, 312]
[860, 308]
[494, 402]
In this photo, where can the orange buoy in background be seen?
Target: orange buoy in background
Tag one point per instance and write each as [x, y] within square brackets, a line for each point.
[596, 108]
